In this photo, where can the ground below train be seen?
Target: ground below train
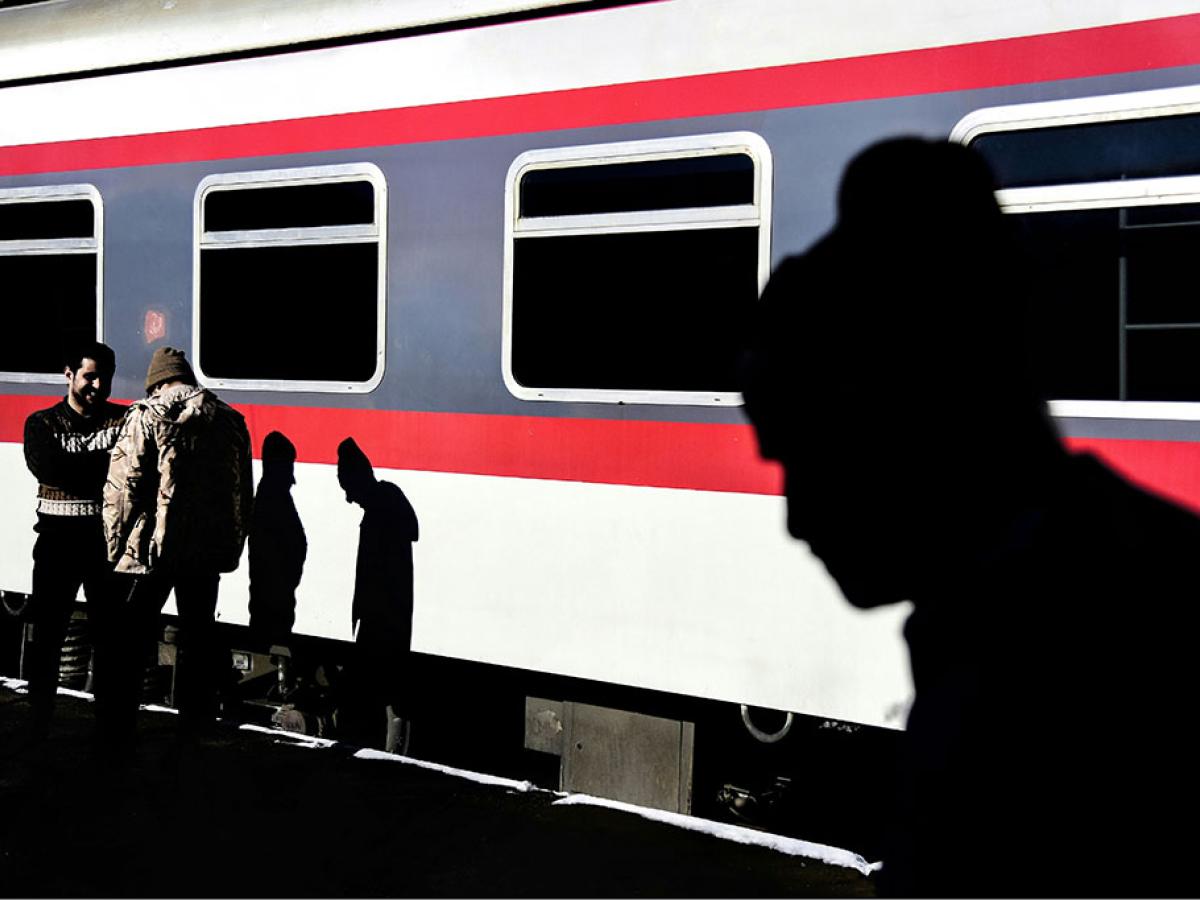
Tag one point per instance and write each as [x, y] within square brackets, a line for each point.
[253, 813]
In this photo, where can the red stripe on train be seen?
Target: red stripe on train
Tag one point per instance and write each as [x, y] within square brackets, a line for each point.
[1105, 50]
[647, 454]
[1169, 468]
[682, 455]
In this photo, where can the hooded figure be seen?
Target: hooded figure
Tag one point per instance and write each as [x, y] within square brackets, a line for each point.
[383, 578]
[277, 545]
[382, 609]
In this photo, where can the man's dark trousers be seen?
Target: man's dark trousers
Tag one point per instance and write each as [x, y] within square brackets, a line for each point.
[134, 623]
[70, 552]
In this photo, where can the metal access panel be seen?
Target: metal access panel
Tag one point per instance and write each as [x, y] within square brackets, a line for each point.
[627, 756]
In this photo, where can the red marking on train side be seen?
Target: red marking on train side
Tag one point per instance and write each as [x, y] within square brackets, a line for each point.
[680, 455]
[154, 327]
[1104, 50]
[14, 409]
[1168, 468]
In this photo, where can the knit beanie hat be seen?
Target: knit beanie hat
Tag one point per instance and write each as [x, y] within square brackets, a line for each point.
[351, 460]
[168, 364]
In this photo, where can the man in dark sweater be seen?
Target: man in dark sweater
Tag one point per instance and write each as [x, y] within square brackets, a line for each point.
[67, 449]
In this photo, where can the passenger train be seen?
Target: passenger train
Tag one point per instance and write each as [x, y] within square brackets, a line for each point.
[508, 247]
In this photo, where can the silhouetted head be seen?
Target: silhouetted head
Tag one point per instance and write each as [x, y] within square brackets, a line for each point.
[888, 373]
[913, 191]
[278, 457]
[355, 474]
[89, 369]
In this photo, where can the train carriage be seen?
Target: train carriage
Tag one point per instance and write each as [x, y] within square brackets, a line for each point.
[508, 248]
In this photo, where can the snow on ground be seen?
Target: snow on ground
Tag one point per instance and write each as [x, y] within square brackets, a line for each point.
[521, 787]
[21, 686]
[737, 833]
[304, 740]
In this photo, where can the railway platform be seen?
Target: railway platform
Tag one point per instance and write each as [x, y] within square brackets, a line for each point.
[250, 812]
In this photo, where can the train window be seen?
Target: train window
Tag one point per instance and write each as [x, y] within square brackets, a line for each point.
[1107, 189]
[50, 263]
[1075, 315]
[37, 220]
[1151, 147]
[1114, 314]
[290, 279]
[629, 268]
[295, 206]
[724, 180]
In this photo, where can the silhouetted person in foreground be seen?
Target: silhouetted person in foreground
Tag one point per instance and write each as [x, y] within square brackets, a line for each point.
[383, 600]
[1048, 750]
[277, 545]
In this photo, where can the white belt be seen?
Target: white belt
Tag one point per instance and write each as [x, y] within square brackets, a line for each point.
[68, 507]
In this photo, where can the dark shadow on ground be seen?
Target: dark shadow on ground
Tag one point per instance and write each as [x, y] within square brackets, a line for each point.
[246, 814]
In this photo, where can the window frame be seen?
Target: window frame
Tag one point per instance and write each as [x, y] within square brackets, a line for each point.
[294, 237]
[757, 213]
[57, 247]
[1169, 190]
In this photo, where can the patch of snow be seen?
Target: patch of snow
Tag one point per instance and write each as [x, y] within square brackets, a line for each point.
[367, 753]
[306, 740]
[739, 834]
[478, 777]
[21, 686]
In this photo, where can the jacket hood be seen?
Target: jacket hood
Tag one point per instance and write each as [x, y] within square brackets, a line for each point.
[181, 403]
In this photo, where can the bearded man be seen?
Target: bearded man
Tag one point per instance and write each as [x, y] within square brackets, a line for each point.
[67, 449]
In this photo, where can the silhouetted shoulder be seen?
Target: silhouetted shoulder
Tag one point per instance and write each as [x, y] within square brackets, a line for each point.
[396, 511]
[1148, 526]
[788, 270]
[796, 271]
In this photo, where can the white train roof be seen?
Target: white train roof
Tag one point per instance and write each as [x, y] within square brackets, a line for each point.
[58, 37]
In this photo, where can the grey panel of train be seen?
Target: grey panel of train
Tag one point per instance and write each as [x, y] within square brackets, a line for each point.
[445, 244]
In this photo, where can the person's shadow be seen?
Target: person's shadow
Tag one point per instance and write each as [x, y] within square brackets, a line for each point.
[377, 705]
[277, 545]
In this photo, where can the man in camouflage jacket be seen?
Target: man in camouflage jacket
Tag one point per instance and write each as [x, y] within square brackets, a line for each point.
[177, 508]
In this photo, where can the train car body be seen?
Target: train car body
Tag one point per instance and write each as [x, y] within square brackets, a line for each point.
[372, 227]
